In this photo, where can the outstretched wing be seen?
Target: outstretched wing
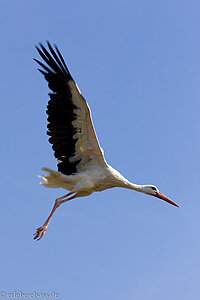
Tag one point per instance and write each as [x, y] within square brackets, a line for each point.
[74, 140]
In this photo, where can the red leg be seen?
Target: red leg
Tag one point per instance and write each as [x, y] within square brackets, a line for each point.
[65, 200]
[68, 194]
[41, 230]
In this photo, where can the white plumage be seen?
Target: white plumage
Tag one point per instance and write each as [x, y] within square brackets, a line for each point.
[82, 168]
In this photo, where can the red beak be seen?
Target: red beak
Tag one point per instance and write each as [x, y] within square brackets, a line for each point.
[163, 197]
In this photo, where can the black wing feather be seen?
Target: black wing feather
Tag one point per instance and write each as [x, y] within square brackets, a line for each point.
[60, 108]
[56, 57]
[61, 58]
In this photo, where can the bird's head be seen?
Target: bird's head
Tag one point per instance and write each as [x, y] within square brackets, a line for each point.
[153, 191]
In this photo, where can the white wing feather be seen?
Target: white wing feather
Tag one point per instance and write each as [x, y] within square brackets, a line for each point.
[87, 147]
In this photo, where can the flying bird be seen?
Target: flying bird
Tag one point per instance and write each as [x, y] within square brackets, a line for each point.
[82, 168]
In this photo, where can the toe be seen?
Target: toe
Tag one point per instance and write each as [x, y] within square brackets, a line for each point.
[39, 233]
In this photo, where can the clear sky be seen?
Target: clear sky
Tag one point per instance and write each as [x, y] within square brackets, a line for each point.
[138, 65]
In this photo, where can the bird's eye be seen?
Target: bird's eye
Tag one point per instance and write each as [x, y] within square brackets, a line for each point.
[154, 188]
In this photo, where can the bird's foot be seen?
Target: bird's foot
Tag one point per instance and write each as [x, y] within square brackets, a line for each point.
[40, 232]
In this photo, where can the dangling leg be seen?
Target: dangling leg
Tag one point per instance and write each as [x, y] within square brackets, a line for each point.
[65, 196]
[41, 230]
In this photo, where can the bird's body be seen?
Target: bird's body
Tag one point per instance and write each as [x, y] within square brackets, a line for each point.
[82, 168]
[88, 181]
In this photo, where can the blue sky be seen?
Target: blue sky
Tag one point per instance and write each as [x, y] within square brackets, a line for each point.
[138, 65]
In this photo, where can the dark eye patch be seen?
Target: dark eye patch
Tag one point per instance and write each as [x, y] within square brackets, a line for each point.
[153, 188]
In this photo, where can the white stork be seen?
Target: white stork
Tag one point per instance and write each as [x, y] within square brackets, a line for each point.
[82, 168]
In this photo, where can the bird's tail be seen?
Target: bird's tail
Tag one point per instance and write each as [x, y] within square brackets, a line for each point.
[56, 179]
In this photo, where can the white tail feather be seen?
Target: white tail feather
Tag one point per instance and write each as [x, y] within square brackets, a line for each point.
[55, 180]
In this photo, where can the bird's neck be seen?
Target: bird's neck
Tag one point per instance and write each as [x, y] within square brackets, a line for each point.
[121, 181]
[132, 186]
